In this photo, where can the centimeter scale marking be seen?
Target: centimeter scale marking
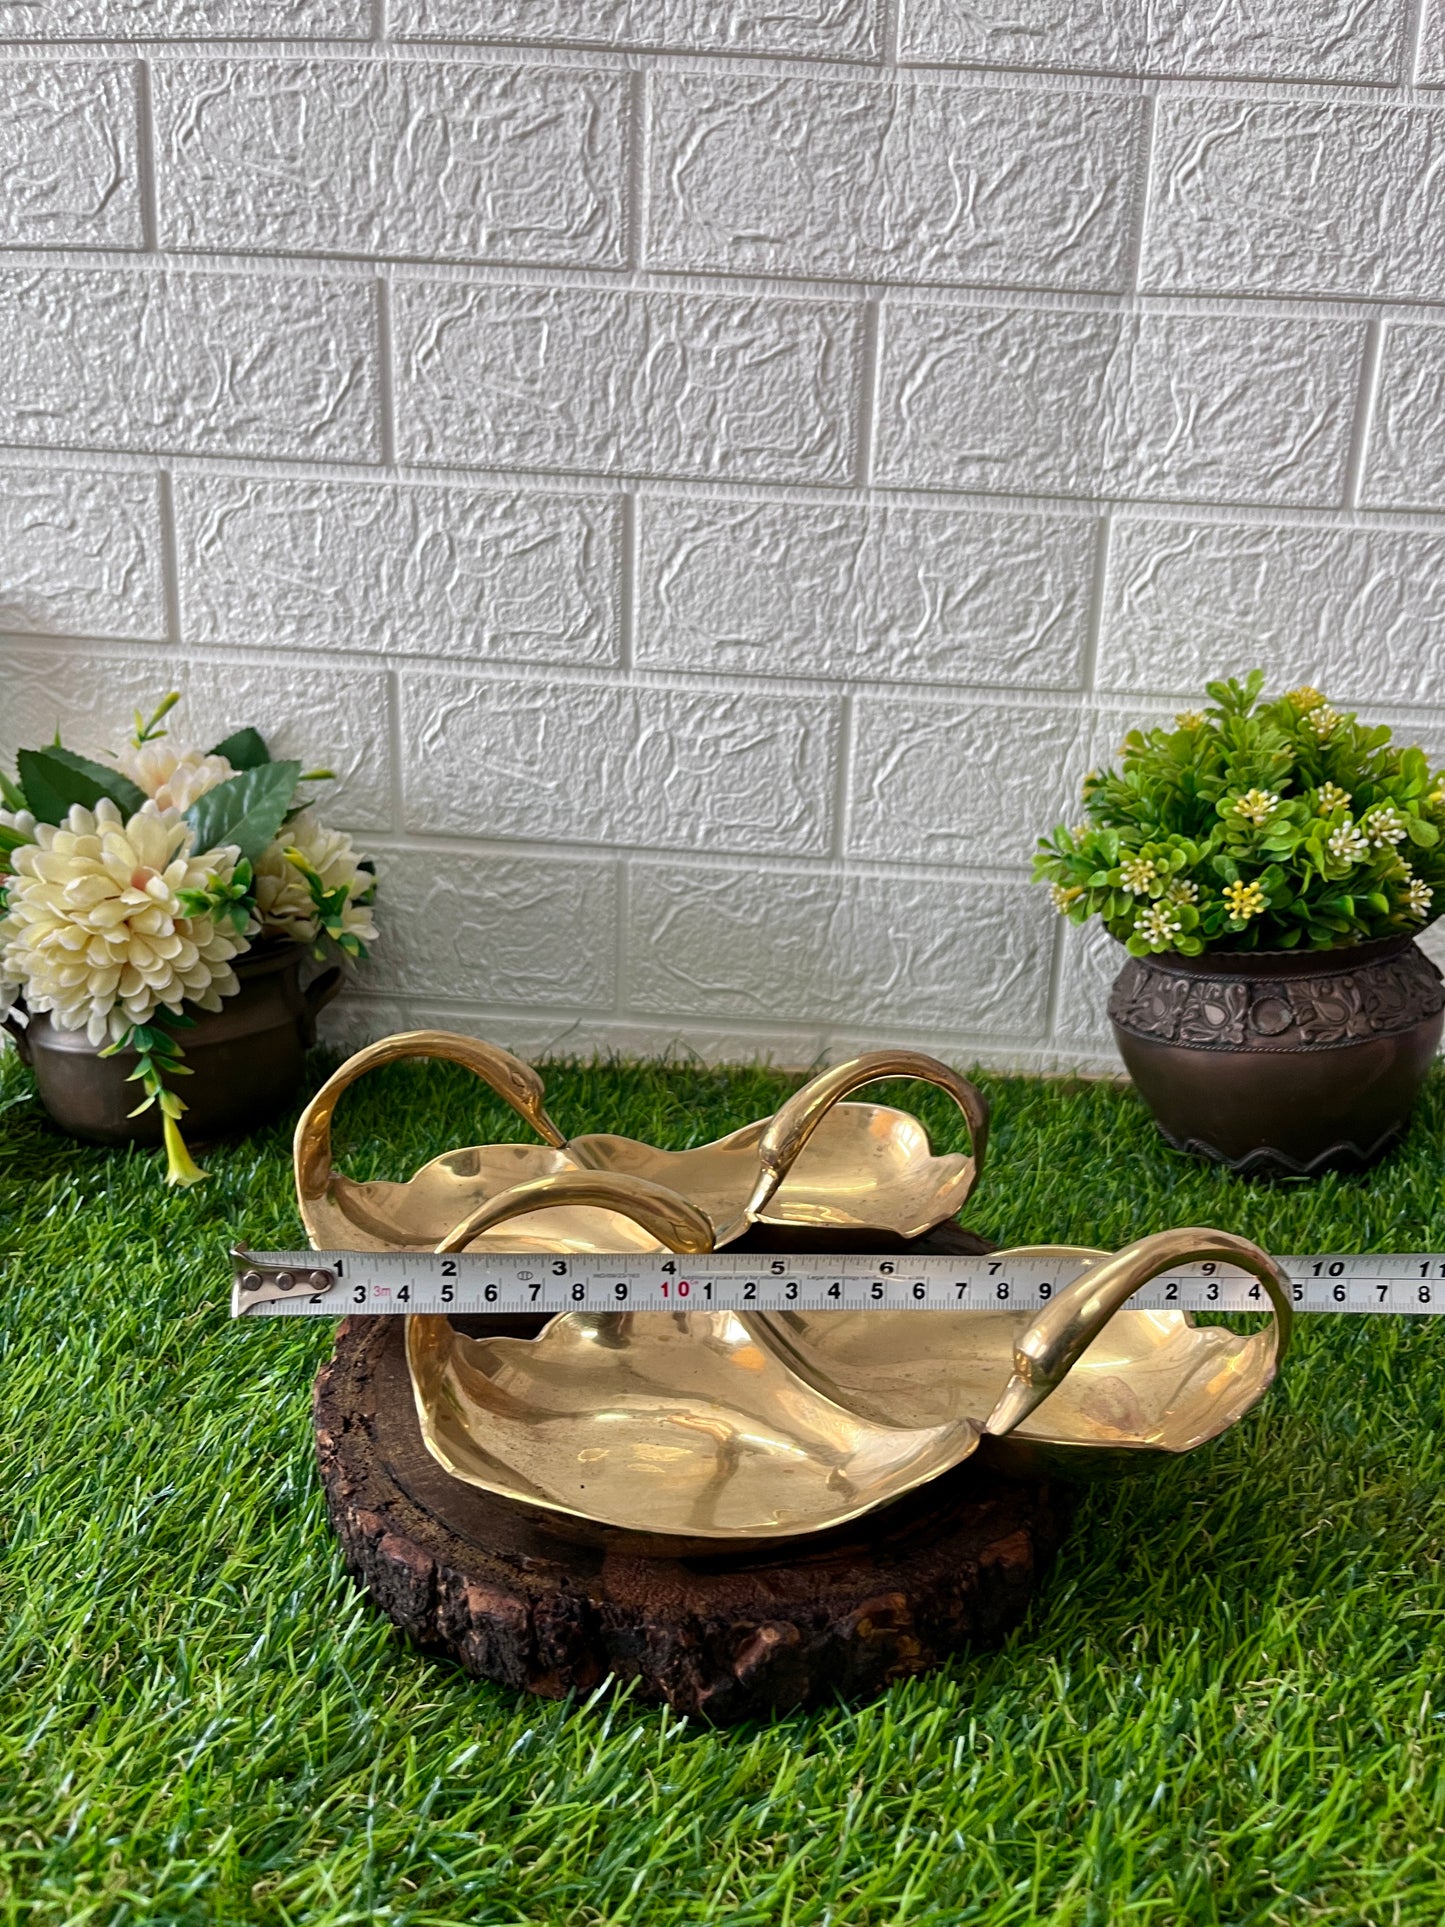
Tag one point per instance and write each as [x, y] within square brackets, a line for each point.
[337, 1284]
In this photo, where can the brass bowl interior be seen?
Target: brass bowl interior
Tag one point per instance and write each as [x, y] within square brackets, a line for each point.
[1151, 1383]
[677, 1424]
[866, 1167]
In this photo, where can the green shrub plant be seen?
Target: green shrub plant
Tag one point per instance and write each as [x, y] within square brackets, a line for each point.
[1254, 825]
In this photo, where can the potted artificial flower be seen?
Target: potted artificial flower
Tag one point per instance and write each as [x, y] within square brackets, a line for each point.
[159, 911]
[1267, 866]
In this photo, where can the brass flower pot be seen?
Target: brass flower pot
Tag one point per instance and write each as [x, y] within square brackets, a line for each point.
[247, 1058]
[1281, 1063]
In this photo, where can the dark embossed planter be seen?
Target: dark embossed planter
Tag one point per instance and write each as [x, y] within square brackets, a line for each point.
[1281, 1063]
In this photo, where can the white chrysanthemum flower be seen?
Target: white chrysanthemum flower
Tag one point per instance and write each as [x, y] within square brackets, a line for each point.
[283, 896]
[1347, 844]
[1158, 926]
[1138, 875]
[172, 778]
[96, 933]
[1384, 826]
[1418, 897]
[1329, 797]
[21, 821]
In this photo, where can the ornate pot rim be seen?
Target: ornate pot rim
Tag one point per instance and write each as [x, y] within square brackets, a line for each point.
[1279, 963]
[1278, 1000]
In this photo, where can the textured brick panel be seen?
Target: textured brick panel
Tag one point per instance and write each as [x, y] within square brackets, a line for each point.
[588, 763]
[1090, 962]
[1307, 39]
[805, 947]
[1187, 407]
[878, 182]
[415, 571]
[835, 29]
[68, 157]
[958, 783]
[301, 709]
[900, 595]
[497, 163]
[508, 930]
[185, 19]
[1405, 459]
[552, 1031]
[1432, 44]
[222, 363]
[80, 554]
[608, 382]
[1357, 611]
[1269, 197]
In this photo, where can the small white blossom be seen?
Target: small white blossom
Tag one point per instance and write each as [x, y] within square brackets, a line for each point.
[1256, 806]
[1418, 897]
[1062, 895]
[1138, 875]
[1158, 926]
[1384, 826]
[1322, 721]
[1181, 890]
[1347, 844]
[1329, 797]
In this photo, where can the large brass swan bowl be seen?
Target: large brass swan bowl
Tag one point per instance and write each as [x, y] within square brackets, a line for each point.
[759, 1426]
[742, 1426]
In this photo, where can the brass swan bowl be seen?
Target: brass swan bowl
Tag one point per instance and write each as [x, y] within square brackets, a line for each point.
[749, 1426]
[817, 1162]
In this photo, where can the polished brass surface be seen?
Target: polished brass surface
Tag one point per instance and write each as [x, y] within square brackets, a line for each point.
[672, 1223]
[1082, 1386]
[671, 1424]
[818, 1162]
[384, 1216]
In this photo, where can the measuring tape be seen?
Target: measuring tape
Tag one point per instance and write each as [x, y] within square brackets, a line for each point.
[337, 1284]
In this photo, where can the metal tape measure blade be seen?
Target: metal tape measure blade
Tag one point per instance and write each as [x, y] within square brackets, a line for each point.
[337, 1284]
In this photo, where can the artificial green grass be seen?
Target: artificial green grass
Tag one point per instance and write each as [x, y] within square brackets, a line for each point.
[1226, 1705]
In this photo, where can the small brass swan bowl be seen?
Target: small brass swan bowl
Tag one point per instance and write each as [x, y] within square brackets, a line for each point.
[817, 1162]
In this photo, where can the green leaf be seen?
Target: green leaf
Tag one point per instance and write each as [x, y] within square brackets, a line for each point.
[247, 810]
[54, 779]
[11, 794]
[1422, 834]
[246, 749]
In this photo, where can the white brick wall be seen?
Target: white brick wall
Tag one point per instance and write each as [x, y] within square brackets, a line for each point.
[711, 474]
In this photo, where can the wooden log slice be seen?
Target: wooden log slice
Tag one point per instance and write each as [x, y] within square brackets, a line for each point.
[551, 1606]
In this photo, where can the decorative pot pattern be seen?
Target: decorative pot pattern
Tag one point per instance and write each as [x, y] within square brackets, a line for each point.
[1343, 1006]
[1280, 1063]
